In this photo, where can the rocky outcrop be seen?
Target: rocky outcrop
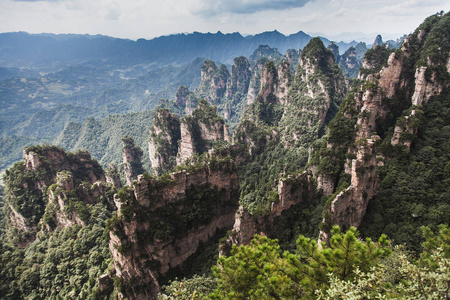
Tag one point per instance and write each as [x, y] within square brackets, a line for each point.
[187, 147]
[390, 76]
[324, 183]
[292, 56]
[185, 99]
[67, 201]
[291, 190]
[255, 82]
[269, 83]
[378, 41]
[239, 80]
[335, 49]
[293, 110]
[424, 89]
[349, 206]
[161, 222]
[113, 176]
[350, 63]
[54, 159]
[200, 131]
[318, 84]
[163, 144]
[370, 104]
[132, 159]
[274, 83]
[213, 82]
[30, 187]
[284, 81]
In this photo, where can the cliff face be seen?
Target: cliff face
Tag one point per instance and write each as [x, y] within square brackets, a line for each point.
[292, 190]
[132, 159]
[240, 77]
[348, 207]
[185, 99]
[163, 145]
[255, 82]
[350, 63]
[213, 82]
[161, 222]
[67, 202]
[112, 176]
[49, 186]
[375, 102]
[317, 86]
[200, 131]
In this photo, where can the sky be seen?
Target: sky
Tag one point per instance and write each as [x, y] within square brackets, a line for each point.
[134, 19]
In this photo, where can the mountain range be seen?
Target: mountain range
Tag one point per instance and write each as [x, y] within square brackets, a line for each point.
[20, 49]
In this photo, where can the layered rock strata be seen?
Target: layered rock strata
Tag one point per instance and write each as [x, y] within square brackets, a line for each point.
[213, 82]
[370, 103]
[132, 159]
[32, 185]
[291, 190]
[163, 144]
[318, 85]
[200, 131]
[185, 99]
[161, 222]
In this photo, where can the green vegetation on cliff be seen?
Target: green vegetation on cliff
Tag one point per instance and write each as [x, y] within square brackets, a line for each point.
[64, 263]
[54, 244]
[415, 186]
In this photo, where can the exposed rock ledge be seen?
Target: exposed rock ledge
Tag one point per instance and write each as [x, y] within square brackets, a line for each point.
[292, 190]
[142, 257]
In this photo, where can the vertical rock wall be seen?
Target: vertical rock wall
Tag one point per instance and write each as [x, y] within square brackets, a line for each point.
[144, 243]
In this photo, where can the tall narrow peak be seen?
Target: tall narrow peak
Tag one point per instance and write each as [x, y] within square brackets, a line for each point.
[185, 99]
[132, 159]
[335, 49]
[163, 144]
[255, 82]
[213, 82]
[240, 77]
[318, 85]
[349, 63]
[378, 41]
[261, 118]
[200, 131]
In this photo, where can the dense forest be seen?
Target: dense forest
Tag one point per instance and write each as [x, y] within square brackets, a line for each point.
[304, 175]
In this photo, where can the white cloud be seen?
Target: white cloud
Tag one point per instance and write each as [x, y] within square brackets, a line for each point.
[220, 7]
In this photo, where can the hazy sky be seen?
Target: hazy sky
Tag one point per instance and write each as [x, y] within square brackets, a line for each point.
[151, 18]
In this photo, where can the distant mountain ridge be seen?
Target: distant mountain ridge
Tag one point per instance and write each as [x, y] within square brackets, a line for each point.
[21, 49]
